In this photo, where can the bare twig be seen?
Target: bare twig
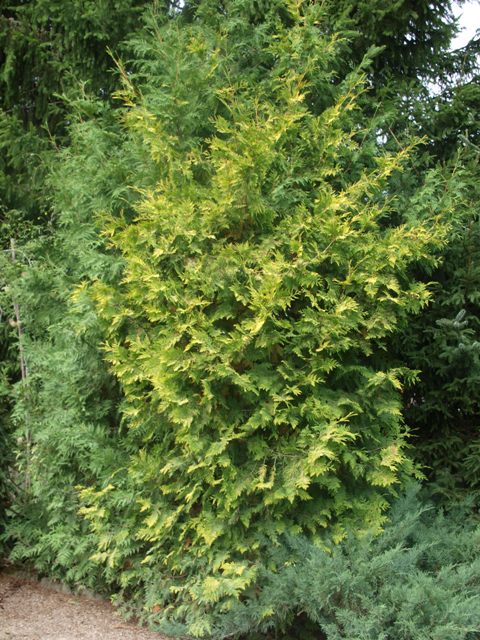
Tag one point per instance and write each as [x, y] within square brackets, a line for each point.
[23, 368]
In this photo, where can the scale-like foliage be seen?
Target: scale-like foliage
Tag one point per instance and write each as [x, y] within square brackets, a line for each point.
[66, 411]
[260, 282]
[50, 53]
[434, 92]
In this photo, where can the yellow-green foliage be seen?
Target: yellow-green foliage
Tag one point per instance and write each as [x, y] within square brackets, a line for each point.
[261, 276]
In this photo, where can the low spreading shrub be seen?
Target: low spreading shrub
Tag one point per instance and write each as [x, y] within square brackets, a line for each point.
[418, 580]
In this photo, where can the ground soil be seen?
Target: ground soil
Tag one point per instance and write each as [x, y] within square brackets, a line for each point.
[33, 611]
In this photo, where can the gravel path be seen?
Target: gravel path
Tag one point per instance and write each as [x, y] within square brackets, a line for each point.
[32, 611]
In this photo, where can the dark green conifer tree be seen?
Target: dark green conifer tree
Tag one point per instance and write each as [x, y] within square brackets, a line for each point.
[48, 50]
[52, 53]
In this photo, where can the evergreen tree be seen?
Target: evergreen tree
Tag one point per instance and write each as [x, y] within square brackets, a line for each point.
[264, 241]
[260, 282]
[51, 53]
[444, 345]
[47, 49]
[66, 411]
